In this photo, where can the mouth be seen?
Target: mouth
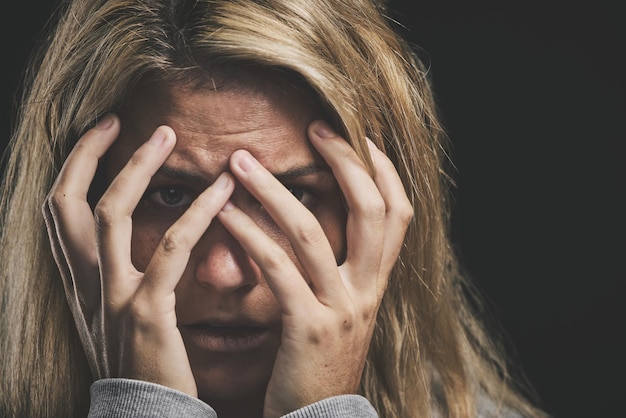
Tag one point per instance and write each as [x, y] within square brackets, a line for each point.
[225, 337]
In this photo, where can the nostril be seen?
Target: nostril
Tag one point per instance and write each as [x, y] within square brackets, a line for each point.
[219, 262]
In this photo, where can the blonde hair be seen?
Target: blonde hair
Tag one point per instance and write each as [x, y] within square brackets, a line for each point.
[430, 354]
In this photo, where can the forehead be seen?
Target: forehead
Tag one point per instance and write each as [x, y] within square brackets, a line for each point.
[212, 120]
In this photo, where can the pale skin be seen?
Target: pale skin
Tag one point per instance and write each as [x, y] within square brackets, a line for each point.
[241, 247]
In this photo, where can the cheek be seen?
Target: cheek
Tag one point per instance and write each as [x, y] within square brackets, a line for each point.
[333, 219]
[145, 239]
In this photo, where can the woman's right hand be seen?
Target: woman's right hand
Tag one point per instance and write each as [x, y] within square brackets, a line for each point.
[125, 318]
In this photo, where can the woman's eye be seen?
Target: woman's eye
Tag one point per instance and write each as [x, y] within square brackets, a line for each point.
[305, 196]
[170, 197]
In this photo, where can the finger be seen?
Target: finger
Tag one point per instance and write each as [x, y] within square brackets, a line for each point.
[366, 207]
[61, 260]
[172, 255]
[114, 211]
[282, 275]
[399, 210]
[80, 311]
[299, 225]
[80, 166]
[69, 217]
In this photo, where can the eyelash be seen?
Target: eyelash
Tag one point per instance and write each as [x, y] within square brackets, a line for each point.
[309, 197]
[155, 196]
[305, 195]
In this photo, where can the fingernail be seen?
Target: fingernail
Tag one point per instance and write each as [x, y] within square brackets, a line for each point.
[323, 130]
[105, 123]
[227, 206]
[158, 137]
[247, 163]
[371, 143]
[222, 182]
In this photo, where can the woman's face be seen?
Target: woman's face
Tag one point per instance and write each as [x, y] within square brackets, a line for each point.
[227, 315]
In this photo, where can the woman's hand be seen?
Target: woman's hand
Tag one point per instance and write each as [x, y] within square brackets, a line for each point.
[125, 318]
[328, 313]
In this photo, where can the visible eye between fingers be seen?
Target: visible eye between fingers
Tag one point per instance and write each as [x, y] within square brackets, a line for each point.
[305, 195]
[171, 197]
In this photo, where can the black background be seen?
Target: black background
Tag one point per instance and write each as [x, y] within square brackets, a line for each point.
[534, 100]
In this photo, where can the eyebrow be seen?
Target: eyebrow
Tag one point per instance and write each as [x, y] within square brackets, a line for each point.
[186, 176]
[302, 171]
[196, 178]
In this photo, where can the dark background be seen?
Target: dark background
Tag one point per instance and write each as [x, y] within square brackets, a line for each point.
[534, 100]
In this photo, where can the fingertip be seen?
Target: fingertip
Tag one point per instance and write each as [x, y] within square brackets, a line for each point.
[321, 129]
[100, 136]
[223, 181]
[243, 160]
[105, 122]
[371, 144]
[163, 135]
[169, 132]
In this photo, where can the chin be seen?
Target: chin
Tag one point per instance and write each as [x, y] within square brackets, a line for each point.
[233, 392]
[229, 377]
[224, 387]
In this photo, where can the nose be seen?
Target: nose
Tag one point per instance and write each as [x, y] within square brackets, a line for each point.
[222, 264]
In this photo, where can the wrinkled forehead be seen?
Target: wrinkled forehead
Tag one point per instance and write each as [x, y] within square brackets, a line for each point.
[174, 94]
[212, 118]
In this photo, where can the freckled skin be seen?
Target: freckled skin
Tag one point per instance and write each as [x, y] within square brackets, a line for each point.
[220, 278]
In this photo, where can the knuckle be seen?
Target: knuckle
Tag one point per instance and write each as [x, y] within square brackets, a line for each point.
[366, 306]
[324, 328]
[313, 337]
[267, 183]
[318, 331]
[138, 313]
[369, 310]
[173, 241]
[137, 159]
[321, 329]
[56, 200]
[275, 258]
[200, 205]
[345, 151]
[347, 319]
[373, 209]
[406, 212]
[310, 234]
[104, 214]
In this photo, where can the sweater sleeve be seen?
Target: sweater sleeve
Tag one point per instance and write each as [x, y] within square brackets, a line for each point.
[343, 406]
[114, 398]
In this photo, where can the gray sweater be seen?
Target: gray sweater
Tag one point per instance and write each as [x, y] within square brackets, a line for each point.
[114, 398]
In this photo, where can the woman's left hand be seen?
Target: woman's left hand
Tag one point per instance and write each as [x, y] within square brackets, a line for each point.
[327, 321]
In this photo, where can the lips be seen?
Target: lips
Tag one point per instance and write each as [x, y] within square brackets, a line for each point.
[225, 336]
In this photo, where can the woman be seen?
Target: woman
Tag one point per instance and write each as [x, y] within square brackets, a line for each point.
[245, 213]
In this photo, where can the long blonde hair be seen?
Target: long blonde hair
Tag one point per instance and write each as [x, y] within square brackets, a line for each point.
[430, 354]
